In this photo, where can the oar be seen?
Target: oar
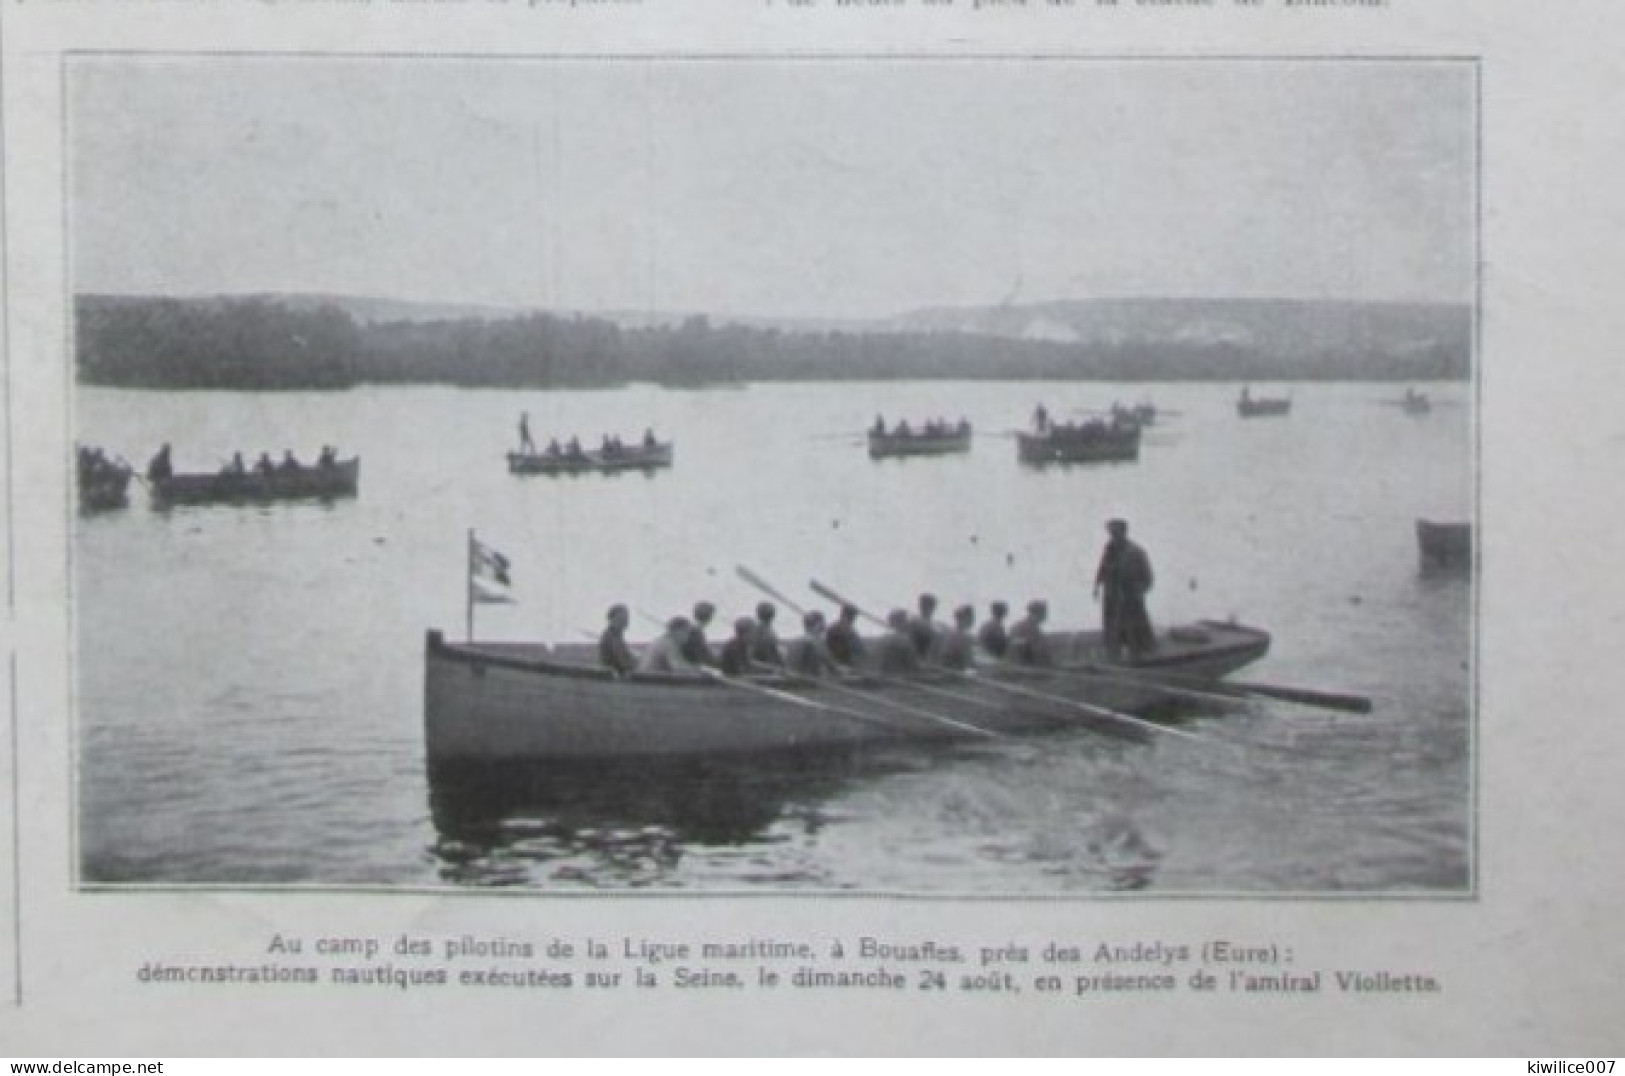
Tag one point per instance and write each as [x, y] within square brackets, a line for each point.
[1214, 692]
[736, 684]
[1088, 708]
[1098, 711]
[1326, 700]
[840, 689]
[768, 588]
[830, 594]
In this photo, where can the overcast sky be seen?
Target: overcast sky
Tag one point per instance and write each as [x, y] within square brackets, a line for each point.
[844, 188]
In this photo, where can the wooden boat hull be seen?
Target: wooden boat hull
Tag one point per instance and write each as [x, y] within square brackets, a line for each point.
[307, 483]
[636, 458]
[892, 446]
[512, 702]
[1264, 408]
[1444, 545]
[1119, 445]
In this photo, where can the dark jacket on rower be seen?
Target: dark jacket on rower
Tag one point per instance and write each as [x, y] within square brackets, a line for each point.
[842, 640]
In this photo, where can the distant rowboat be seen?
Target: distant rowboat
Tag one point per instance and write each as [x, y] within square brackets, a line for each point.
[892, 444]
[632, 457]
[509, 702]
[320, 482]
[1092, 442]
[1259, 407]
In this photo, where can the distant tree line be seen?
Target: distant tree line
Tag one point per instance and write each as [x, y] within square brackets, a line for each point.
[264, 343]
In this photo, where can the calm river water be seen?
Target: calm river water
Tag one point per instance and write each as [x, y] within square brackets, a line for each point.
[250, 679]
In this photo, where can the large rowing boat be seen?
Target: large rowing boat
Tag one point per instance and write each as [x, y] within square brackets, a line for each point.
[1090, 442]
[631, 457]
[340, 478]
[926, 442]
[509, 702]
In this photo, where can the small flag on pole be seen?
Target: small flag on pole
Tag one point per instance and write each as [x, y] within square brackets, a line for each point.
[488, 578]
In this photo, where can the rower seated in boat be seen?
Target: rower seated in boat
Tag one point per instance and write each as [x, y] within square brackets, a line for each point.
[235, 467]
[649, 441]
[1028, 644]
[764, 648]
[809, 655]
[573, 449]
[696, 650]
[844, 644]
[665, 653]
[613, 653]
[923, 628]
[897, 653]
[553, 448]
[328, 459]
[289, 462]
[879, 428]
[263, 465]
[735, 657]
[956, 647]
[993, 638]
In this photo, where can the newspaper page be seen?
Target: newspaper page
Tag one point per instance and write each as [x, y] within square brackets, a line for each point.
[786, 527]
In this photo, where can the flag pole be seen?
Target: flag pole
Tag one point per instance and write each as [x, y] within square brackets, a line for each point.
[468, 583]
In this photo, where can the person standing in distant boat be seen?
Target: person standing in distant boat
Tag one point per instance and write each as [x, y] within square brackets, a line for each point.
[526, 445]
[1121, 584]
[613, 652]
[160, 468]
[993, 637]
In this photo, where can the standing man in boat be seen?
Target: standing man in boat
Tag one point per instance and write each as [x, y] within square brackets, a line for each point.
[526, 445]
[160, 468]
[1124, 578]
[993, 638]
[613, 653]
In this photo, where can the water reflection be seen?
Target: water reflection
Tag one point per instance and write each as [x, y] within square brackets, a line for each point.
[620, 824]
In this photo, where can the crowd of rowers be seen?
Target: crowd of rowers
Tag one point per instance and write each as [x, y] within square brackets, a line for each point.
[609, 447]
[161, 467]
[931, 427]
[910, 643]
[1119, 419]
